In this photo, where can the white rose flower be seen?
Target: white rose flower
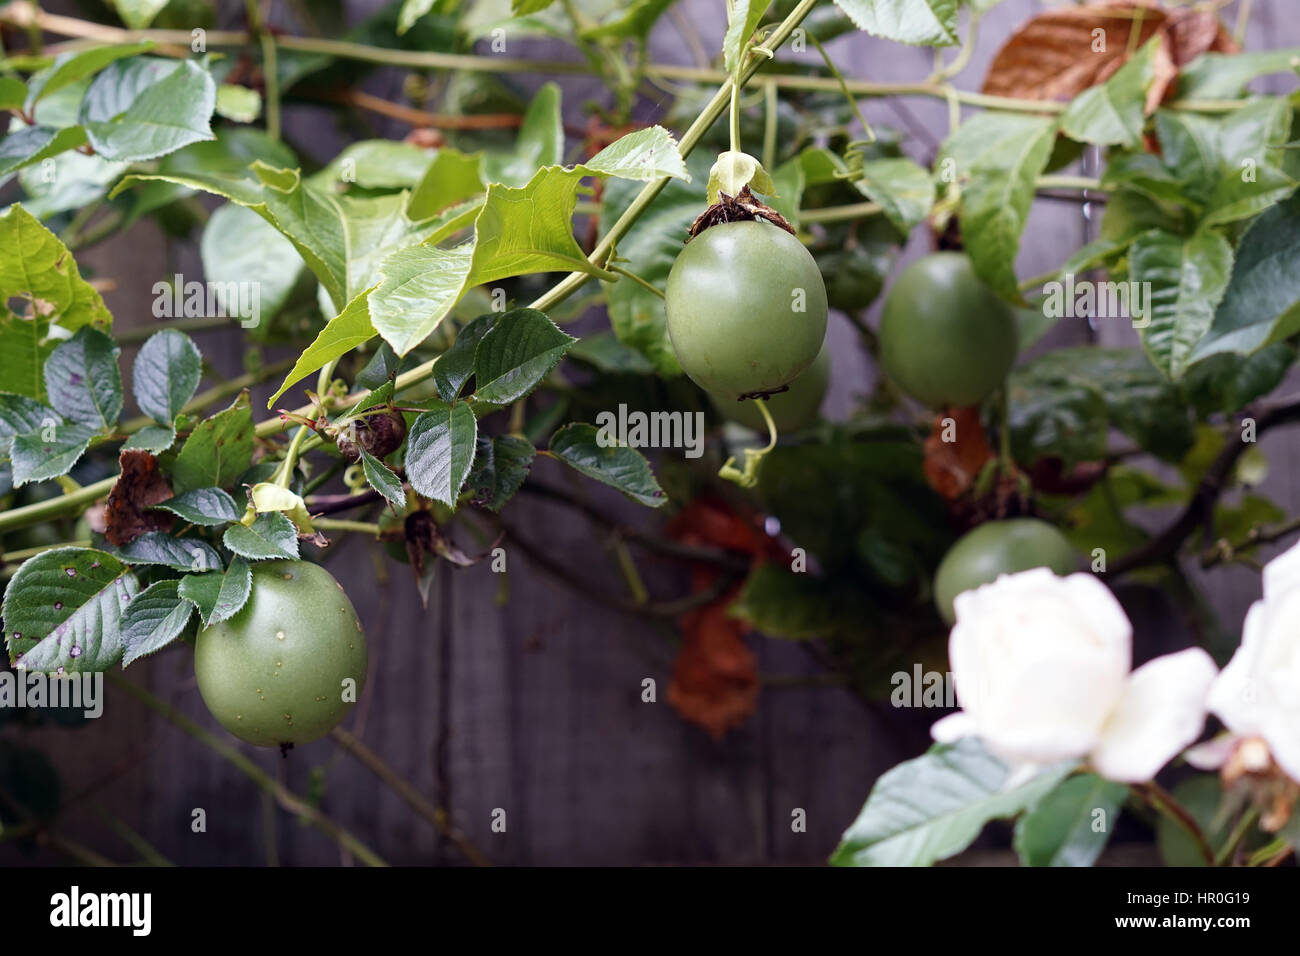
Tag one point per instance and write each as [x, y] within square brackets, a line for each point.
[1041, 667]
[1258, 693]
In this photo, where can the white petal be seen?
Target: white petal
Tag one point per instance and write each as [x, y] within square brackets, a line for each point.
[1282, 574]
[1234, 697]
[1162, 711]
[1212, 754]
[953, 727]
[1102, 611]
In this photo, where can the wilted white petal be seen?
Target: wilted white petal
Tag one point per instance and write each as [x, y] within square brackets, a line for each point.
[1161, 712]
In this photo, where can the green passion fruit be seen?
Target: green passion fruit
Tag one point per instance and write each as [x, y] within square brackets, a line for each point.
[945, 338]
[1000, 547]
[746, 309]
[796, 408]
[288, 667]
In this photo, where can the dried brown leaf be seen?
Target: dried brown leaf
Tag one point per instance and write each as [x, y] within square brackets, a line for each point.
[1060, 53]
[140, 486]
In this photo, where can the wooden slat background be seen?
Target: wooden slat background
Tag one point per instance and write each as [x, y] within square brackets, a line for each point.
[534, 707]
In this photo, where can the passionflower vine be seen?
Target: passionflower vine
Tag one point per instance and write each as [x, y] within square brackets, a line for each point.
[1258, 694]
[1042, 671]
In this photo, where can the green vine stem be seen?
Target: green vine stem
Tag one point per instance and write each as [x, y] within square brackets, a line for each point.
[24, 14]
[1162, 801]
[287, 799]
[338, 524]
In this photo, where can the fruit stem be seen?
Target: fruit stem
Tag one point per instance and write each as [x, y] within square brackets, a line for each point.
[637, 279]
[735, 116]
[748, 477]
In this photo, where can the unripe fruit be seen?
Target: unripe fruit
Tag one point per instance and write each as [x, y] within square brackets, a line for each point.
[746, 308]
[945, 338]
[1000, 547]
[791, 410]
[288, 667]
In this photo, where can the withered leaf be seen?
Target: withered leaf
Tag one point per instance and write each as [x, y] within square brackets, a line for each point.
[140, 486]
[951, 466]
[715, 678]
[1063, 51]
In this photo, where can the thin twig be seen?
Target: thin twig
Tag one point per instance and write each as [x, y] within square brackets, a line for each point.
[410, 795]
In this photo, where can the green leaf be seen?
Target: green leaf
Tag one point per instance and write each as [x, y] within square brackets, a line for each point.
[49, 452]
[631, 21]
[219, 595]
[455, 366]
[1064, 403]
[33, 144]
[518, 231]
[934, 806]
[38, 267]
[522, 8]
[63, 610]
[179, 554]
[271, 536]
[904, 189]
[916, 22]
[167, 372]
[1226, 383]
[218, 451]
[500, 467]
[440, 451]
[376, 164]
[174, 112]
[20, 415]
[745, 16]
[1187, 278]
[138, 14]
[999, 156]
[151, 438]
[795, 606]
[238, 104]
[341, 334]
[540, 142]
[1202, 798]
[207, 507]
[154, 618]
[13, 93]
[582, 448]
[69, 68]
[606, 353]
[1262, 302]
[383, 480]
[1114, 113]
[411, 11]
[642, 155]
[1071, 825]
[1223, 76]
[114, 90]
[513, 357]
[83, 380]
[451, 178]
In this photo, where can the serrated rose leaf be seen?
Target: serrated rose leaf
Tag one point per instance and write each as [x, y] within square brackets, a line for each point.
[63, 611]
